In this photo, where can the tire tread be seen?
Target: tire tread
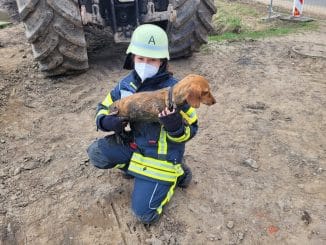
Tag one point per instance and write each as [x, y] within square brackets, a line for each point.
[54, 29]
[191, 27]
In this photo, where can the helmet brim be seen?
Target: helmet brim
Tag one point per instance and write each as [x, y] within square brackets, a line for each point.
[146, 52]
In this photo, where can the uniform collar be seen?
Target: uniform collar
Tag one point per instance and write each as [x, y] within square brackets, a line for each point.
[157, 79]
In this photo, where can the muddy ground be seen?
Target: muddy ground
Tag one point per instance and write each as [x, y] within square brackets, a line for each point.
[271, 109]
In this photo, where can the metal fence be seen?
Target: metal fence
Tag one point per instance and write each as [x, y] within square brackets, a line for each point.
[310, 7]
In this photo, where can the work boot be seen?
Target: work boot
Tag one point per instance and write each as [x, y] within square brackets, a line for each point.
[185, 179]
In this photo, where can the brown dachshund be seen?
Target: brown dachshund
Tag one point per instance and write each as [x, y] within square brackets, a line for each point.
[145, 106]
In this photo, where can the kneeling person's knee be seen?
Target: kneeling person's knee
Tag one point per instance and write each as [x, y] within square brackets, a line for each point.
[96, 156]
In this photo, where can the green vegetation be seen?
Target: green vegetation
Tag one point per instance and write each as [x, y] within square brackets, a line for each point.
[238, 20]
[4, 24]
[4, 19]
[273, 31]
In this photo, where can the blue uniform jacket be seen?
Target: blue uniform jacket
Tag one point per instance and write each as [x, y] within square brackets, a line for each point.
[146, 135]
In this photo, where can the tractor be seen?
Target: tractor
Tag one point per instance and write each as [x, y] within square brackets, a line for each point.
[55, 28]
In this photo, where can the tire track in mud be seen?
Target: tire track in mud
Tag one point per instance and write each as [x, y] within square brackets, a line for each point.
[127, 227]
[118, 222]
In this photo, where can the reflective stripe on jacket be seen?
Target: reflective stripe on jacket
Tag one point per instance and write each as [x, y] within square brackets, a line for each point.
[154, 169]
[158, 169]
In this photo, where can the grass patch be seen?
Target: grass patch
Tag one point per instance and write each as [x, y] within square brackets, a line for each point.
[238, 20]
[268, 32]
[4, 24]
[4, 19]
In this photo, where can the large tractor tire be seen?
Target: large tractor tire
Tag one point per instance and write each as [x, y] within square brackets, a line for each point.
[191, 27]
[55, 30]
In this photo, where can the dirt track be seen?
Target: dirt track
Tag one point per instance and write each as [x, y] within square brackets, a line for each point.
[271, 108]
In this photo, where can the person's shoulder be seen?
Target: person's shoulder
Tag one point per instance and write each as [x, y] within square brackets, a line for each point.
[172, 80]
[129, 82]
[128, 78]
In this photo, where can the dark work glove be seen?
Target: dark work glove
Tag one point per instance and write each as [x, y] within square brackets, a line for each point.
[171, 120]
[113, 123]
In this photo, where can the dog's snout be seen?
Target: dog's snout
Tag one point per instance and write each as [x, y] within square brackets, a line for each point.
[213, 100]
[209, 99]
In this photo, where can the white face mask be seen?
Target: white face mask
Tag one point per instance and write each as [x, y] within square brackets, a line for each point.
[145, 70]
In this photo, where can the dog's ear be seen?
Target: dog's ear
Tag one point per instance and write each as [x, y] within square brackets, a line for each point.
[193, 96]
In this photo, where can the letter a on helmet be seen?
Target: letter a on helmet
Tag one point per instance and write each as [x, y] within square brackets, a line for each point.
[150, 41]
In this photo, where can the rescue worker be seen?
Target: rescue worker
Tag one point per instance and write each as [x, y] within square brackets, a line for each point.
[153, 152]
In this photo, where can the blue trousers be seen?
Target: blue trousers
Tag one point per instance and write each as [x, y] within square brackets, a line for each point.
[147, 196]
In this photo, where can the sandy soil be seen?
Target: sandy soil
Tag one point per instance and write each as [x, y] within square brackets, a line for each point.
[271, 109]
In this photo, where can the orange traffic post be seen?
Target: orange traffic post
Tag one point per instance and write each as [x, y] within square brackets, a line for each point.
[297, 8]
